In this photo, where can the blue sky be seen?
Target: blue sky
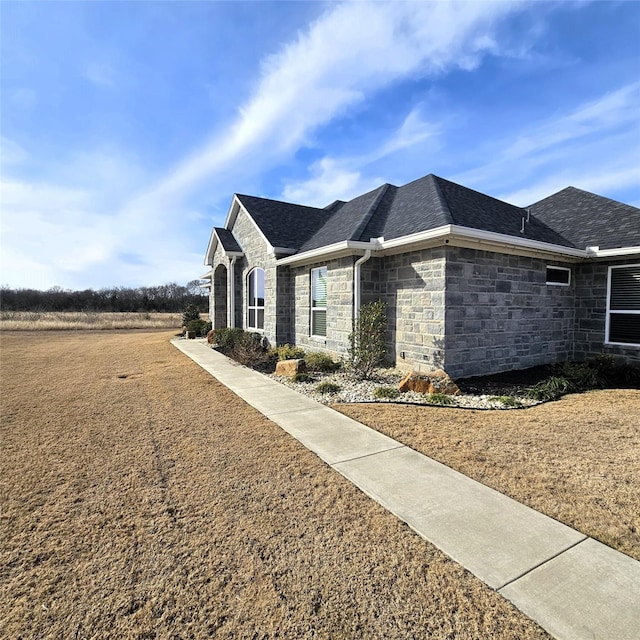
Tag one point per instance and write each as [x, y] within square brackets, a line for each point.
[127, 126]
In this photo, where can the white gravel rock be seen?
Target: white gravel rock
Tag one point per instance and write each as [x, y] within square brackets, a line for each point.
[353, 390]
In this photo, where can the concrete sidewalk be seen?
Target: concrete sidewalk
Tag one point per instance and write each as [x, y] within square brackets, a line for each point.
[571, 585]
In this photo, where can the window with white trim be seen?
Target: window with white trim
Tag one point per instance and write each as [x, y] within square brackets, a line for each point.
[560, 276]
[623, 305]
[319, 302]
[255, 301]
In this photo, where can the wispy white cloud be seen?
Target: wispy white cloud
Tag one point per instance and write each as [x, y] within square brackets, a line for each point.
[330, 180]
[350, 51]
[592, 146]
[101, 74]
[11, 153]
[345, 177]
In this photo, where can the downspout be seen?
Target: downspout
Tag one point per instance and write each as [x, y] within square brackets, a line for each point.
[356, 283]
[232, 292]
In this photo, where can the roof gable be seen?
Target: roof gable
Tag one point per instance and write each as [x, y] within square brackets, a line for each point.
[284, 224]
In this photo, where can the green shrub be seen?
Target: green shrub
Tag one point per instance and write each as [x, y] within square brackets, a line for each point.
[249, 350]
[439, 398]
[289, 352]
[198, 326]
[367, 340]
[584, 375]
[386, 392]
[303, 377]
[328, 387]
[191, 312]
[227, 337]
[318, 361]
[507, 401]
[551, 388]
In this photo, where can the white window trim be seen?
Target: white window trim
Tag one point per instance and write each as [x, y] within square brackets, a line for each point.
[253, 307]
[312, 308]
[559, 284]
[609, 312]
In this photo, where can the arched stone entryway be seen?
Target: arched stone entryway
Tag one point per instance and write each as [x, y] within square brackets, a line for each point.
[220, 297]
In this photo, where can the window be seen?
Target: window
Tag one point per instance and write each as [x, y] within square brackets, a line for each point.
[255, 304]
[559, 275]
[623, 305]
[319, 301]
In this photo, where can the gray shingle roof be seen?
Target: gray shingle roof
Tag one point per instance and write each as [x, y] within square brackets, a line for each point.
[570, 218]
[283, 224]
[586, 219]
[227, 240]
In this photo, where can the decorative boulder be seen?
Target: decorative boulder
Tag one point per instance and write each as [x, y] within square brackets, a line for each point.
[433, 382]
[211, 337]
[289, 368]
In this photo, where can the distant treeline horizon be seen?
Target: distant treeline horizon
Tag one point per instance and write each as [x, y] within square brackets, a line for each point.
[165, 298]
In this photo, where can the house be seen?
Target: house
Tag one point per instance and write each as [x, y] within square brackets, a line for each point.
[473, 285]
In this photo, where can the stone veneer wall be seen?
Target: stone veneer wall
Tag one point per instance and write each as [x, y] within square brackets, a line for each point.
[501, 314]
[412, 285]
[591, 311]
[255, 255]
[339, 306]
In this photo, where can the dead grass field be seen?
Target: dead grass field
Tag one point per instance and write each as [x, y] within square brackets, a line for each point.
[576, 459]
[141, 499]
[80, 320]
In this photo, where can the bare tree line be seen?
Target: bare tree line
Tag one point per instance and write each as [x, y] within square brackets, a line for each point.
[167, 298]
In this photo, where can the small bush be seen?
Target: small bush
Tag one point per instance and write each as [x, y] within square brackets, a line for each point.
[249, 351]
[439, 398]
[507, 401]
[551, 388]
[226, 338]
[303, 377]
[584, 375]
[191, 312]
[198, 326]
[386, 392]
[318, 361]
[289, 352]
[328, 387]
[367, 340]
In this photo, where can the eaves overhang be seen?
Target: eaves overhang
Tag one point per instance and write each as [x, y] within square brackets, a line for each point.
[329, 252]
[452, 235]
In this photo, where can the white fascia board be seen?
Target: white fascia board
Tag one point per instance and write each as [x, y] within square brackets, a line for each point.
[503, 240]
[613, 253]
[339, 249]
[415, 238]
[283, 250]
[232, 214]
[211, 248]
[207, 276]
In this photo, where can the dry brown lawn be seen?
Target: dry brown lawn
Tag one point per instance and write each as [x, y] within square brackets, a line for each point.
[140, 498]
[576, 459]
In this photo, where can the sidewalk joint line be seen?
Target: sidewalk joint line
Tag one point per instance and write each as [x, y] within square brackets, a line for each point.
[369, 455]
[540, 564]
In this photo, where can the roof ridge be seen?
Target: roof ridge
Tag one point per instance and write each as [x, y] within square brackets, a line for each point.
[289, 204]
[368, 214]
[441, 199]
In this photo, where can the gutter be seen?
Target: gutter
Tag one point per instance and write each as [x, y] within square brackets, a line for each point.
[357, 288]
